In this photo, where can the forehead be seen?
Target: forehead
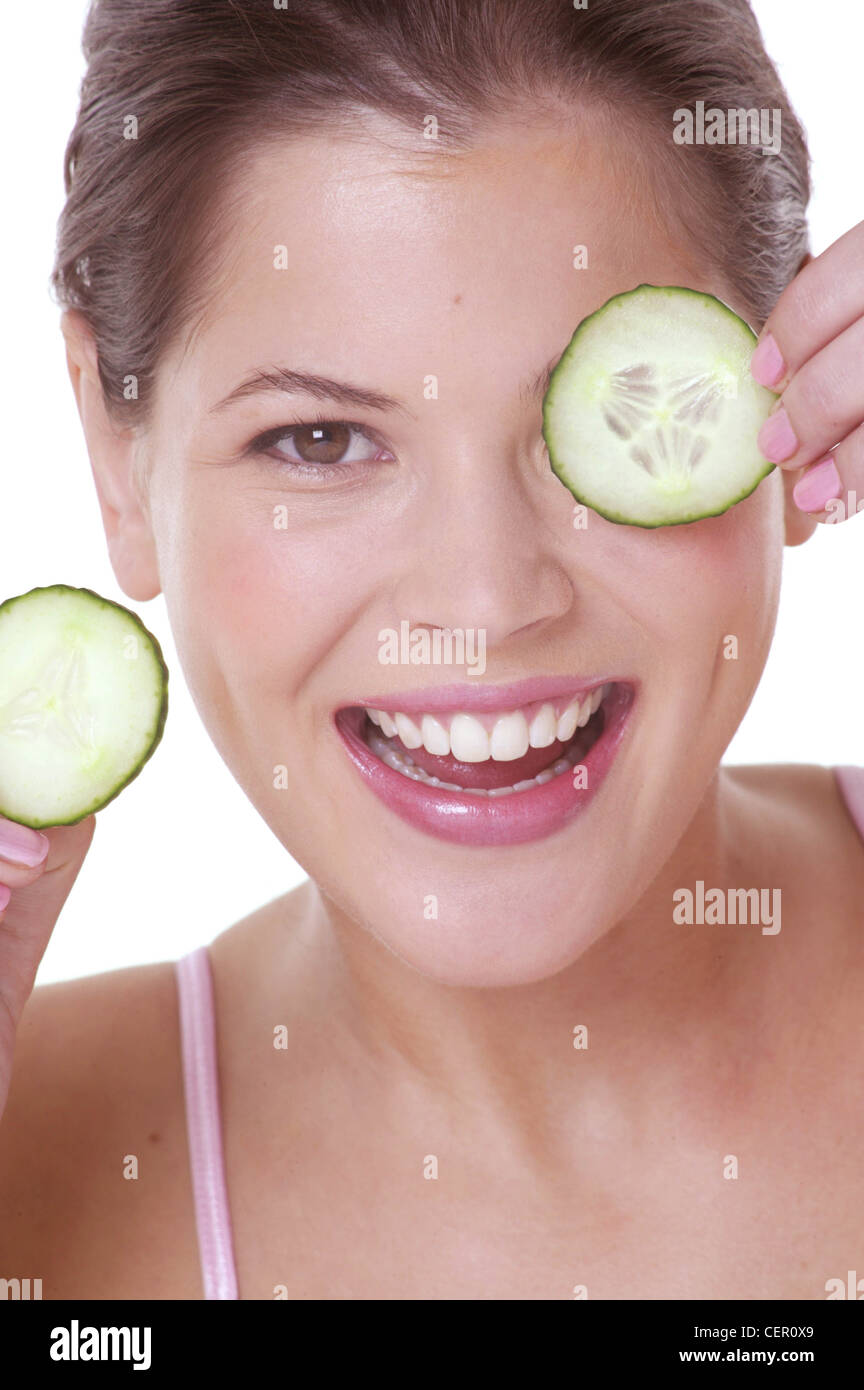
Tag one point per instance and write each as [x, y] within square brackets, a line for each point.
[379, 247]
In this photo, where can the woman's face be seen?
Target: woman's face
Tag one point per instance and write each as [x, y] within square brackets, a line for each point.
[445, 284]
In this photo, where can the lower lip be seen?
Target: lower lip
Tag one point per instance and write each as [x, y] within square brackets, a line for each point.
[507, 820]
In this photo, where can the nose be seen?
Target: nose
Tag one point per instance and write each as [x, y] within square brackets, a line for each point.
[486, 553]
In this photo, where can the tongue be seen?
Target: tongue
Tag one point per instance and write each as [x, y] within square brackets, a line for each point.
[489, 774]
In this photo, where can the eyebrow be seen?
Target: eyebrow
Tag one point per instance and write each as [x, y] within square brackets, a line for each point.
[289, 381]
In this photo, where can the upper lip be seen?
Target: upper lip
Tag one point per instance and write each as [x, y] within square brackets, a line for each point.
[483, 698]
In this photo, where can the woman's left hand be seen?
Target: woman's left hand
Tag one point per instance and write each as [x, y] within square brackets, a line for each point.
[811, 350]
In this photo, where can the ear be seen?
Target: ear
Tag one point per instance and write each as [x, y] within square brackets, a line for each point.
[113, 455]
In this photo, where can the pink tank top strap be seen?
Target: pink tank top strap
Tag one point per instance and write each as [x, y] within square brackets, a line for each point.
[850, 780]
[203, 1124]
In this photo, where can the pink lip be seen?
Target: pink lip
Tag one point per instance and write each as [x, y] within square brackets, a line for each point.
[482, 698]
[475, 821]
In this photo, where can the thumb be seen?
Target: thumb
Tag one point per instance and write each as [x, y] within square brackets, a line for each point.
[30, 915]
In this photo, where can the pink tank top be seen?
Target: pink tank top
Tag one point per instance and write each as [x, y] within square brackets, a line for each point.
[201, 1080]
[203, 1124]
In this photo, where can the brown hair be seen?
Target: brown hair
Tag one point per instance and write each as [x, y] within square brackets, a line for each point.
[208, 80]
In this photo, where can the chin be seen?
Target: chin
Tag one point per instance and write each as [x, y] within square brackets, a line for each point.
[483, 938]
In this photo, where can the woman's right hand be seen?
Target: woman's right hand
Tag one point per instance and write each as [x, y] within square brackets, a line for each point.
[36, 874]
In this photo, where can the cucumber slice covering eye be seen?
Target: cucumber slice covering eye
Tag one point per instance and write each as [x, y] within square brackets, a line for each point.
[83, 703]
[651, 415]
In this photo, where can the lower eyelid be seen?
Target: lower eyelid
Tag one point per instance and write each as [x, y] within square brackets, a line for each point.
[344, 464]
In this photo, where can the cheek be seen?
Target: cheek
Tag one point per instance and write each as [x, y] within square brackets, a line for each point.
[268, 588]
[701, 583]
[734, 572]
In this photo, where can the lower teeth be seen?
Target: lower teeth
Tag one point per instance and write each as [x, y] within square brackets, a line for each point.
[402, 762]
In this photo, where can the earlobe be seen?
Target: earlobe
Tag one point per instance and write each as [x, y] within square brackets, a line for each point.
[112, 452]
[799, 525]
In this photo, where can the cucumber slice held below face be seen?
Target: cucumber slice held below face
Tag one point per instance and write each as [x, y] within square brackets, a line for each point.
[83, 703]
[651, 415]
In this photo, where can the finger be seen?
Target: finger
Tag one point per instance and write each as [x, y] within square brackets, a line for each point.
[18, 875]
[30, 915]
[833, 489]
[22, 845]
[822, 404]
[22, 851]
[825, 298]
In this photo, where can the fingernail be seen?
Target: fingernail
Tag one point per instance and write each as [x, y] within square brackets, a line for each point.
[5, 895]
[777, 439]
[818, 486]
[766, 365]
[21, 844]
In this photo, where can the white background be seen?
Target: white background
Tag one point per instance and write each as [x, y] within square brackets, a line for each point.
[182, 853]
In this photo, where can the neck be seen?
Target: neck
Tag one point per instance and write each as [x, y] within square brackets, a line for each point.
[642, 993]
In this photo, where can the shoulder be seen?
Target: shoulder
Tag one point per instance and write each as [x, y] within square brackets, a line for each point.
[773, 778]
[800, 840]
[795, 817]
[95, 1193]
[802, 797]
[795, 835]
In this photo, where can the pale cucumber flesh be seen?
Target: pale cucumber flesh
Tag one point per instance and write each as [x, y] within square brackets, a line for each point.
[83, 703]
[651, 415]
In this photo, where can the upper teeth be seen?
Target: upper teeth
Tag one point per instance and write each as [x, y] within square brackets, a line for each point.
[510, 736]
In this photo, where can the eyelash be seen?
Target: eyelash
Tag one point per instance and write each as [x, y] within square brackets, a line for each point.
[259, 446]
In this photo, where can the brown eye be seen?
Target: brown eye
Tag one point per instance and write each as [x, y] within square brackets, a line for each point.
[330, 446]
[321, 443]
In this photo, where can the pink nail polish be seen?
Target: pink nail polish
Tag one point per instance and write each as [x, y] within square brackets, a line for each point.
[777, 439]
[766, 365]
[818, 486]
[5, 895]
[21, 844]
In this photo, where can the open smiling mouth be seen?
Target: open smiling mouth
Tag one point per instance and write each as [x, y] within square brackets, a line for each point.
[489, 777]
